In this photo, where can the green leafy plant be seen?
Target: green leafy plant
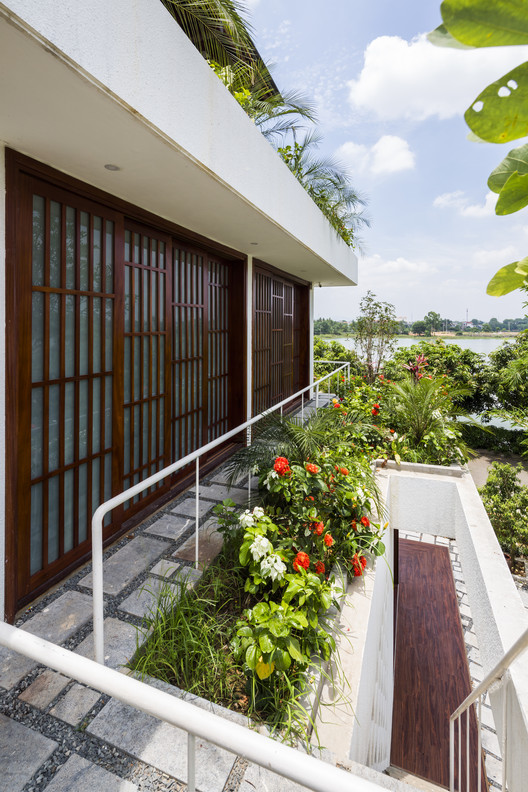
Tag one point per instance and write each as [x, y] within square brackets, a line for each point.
[499, 114]
[506, 502]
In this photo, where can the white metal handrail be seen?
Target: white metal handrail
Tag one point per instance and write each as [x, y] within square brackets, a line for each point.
[131, 492]
[476, 695]
[277, 757]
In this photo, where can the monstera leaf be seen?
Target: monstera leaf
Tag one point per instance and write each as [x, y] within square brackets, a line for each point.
[486, 23]
[514, 162]
[508, 278]
[500, 112]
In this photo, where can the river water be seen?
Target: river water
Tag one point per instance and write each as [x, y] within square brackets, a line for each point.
[482, 345]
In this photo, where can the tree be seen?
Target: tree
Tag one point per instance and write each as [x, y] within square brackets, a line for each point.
[500, 113]
[376, 327]
[328, 185]
[433, 321]
[419, 327]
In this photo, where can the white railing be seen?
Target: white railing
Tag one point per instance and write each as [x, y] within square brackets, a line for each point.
[105, 508]
[238, 740]
[495, 677]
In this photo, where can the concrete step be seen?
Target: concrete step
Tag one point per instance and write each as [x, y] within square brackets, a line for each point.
[413, 781]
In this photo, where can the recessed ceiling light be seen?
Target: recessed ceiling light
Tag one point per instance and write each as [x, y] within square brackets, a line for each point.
[111, 167]
[253, 243]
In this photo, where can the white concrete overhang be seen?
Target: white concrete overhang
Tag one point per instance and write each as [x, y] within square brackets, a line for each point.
[120, 83]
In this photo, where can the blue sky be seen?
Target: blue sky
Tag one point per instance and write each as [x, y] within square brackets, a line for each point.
[390, 108]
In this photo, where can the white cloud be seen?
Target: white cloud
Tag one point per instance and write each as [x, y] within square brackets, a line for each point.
[375, 268]
[495, 258]
[251, 4]
[390, 154]
[459, 201]
[416, 80]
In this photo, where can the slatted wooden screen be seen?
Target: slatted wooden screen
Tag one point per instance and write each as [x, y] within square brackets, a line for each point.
[145, 450]
[120, 357]
[72, 317]
[278, 337]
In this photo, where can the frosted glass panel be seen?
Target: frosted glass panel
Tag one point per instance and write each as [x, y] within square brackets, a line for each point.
[137, 305]
[136, 434]
[37, 337]
[54, 339]
[108, 411]
[83, 418]
[127, 363]
[137, 369]
[145, 366]
[68, 510]
[162, 301]
[83, 330]
[70, 247]
[97, 254]
[154, 301]
[126, 438]
[55, 245]
[54, 427]
[83, 487]
[38, 239]
[154, 367]
[128, 300]
[109, 257]
[96, 484]
[107, 485]
[84, 271]
[127, 246]
[69, 423]
[96, 343]
[69, 336]
[109, 321]
[37, 431]
[96, 413]
[36, 529]
[145, 432]
[53, 519]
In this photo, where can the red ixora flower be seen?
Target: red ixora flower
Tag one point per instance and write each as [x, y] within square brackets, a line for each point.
[365, 521]
[343, 471]
[354, 525]
[358, 564]
[282, 466]
[375, 409]
[301, 560]
[318, 528]
[311, 468]
[328, 540]
[319, 567]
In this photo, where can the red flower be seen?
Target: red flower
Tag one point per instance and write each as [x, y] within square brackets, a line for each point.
[311, 468]
[328, 540]
[375, 411]
[309, 497]
[282, 466]
[358, 564]
[344, 471]
[318, 528]
[365, 521]
[301, 560]
[319, 567]
[391, 431]
[354, 525]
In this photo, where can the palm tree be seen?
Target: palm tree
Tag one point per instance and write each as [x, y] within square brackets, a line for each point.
[328, 183]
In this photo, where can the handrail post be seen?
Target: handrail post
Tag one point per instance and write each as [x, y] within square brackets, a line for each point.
[452, 755]
[97, 587]
[302, 407]
[504, 730]
[317, 396]
[191, 762]
[197, 512]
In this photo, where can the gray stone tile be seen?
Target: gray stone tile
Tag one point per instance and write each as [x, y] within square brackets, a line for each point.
[189, 576]
[56, 623]
[210, 544]
[22, 751]
[187, 507]
[161, 745]
[142, 601]
[120, 642]
[258, 779]
[170, 527]
[77, 702]
[218, 493]
[44, 689]
[80, 775]
[129, 562]
[165, 568]
[224, 476]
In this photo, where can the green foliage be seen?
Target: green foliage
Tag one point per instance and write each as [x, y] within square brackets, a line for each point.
[328, 185]
[493, 438]
[376, 328]
[500, 112]
[506, 503]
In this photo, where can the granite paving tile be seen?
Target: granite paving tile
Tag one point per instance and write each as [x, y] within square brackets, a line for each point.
[210, 544]
[188, 508]
[22, 751]
[258, 779]
[142, 601]
[80, 775]
[170, 527]
[44, 689]
[165, 568]
[161, 745]
[129, 562]
[120, 643]
[75, 704]
[218, 493]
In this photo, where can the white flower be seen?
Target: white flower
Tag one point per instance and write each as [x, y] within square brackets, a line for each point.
[272, 566]
[269, 478]
[258, 512]
[246, 519]
[260, 547]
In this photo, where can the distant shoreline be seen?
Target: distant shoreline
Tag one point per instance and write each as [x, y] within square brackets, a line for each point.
[504, 334]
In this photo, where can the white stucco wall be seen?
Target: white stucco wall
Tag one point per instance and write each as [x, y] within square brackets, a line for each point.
[2, 380]
[136, 55]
